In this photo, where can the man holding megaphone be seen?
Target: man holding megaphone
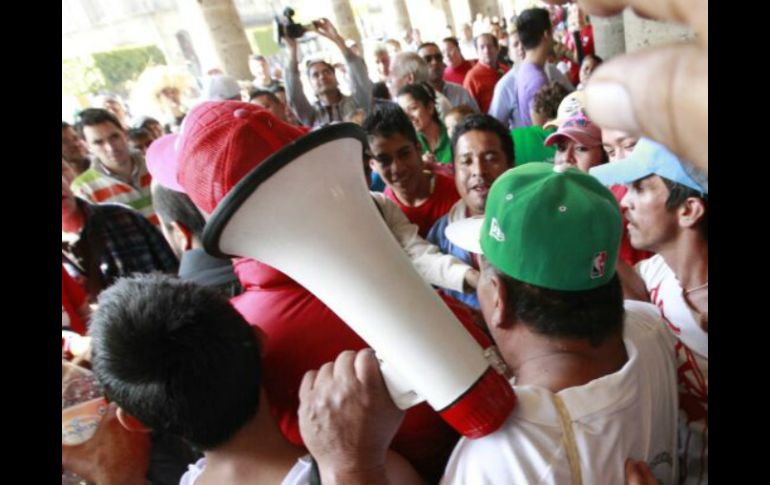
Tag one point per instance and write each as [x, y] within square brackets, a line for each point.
[595, 382]
[221, 145]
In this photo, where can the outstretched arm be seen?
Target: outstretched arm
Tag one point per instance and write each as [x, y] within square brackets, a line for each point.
[295, 96]
[360, 84]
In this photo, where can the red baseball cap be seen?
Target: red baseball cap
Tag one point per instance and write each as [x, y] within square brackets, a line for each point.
[579, 129]
[220, 142]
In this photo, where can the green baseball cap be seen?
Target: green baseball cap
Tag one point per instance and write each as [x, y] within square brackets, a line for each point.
[551, 226]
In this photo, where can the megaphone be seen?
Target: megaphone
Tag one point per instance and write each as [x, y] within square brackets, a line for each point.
[306, 211]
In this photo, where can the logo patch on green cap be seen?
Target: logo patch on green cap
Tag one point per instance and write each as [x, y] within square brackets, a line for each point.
[557, 229]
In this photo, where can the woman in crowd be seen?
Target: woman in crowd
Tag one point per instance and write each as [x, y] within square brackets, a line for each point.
[419, 103]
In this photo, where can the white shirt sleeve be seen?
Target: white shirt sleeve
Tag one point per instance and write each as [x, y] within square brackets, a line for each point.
[434, 266]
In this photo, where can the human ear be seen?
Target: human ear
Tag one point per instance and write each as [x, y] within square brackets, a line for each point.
[131, 423]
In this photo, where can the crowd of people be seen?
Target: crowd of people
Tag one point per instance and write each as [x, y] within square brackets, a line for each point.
[580, 250]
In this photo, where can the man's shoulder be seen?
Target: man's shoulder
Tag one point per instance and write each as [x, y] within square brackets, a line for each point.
[653, 270]
[451, 88]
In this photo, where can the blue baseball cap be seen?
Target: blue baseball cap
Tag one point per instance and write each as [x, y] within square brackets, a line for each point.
[650, 158]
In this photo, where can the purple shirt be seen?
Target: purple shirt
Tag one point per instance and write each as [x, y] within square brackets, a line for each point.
[529, 79]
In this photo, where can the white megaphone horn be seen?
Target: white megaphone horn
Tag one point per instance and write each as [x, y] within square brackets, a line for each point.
[307, 212]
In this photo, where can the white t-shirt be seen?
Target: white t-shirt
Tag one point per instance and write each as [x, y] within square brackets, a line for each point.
[628, 414]
[692, 354]
[298, 475]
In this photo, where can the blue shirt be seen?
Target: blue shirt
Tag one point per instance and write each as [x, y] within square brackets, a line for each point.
[505, 103]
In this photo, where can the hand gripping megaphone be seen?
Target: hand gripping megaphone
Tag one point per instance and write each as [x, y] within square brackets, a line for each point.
[307, 212]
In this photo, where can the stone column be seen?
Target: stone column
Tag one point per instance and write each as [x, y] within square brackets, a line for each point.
[641, 33]
[446, 7]
[609, 36]
[488, 8]
[218, 35]
[461, 12]
[342, 16]
[396, 12]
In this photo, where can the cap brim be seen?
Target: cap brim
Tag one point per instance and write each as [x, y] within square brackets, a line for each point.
[162, 162]
[556, 123]
[466, 234]
[621, 172]
[578, 136]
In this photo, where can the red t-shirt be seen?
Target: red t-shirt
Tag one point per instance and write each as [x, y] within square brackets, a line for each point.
[72, 298]
[440, 201]
[480, 83]
[457, 75]
[628, 253]
[301, 333]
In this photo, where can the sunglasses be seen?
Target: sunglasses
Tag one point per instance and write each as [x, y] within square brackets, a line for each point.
[433, 57]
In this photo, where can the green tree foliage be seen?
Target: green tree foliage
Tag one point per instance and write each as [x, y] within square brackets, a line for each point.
[110, 71]
[80, 76]
[122, 65]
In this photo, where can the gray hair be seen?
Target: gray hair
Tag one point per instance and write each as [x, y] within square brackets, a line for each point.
[409, 63]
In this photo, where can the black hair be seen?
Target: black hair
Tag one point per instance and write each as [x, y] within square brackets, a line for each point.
[146, 121]
[96, 116]
[485, 122]
[531, 24]
[388, 119]
[476, 40]
[427, 44]
[177, 356]
[263, 92]
[64, 125]
[548, 98]
[451, 40]
[596, 58]
[173, 206]
[424, 93]
[678, 194]
[592, 314]
[380, 90]
[134, 133]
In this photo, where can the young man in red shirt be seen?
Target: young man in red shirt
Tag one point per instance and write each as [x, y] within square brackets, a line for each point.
[423, 196]
[481, 79]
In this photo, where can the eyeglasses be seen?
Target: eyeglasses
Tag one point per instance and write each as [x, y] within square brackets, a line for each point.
[433, 57]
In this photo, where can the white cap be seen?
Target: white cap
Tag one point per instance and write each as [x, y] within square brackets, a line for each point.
[220, 87]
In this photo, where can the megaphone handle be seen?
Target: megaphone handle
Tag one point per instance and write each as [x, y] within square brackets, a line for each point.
[400, 390]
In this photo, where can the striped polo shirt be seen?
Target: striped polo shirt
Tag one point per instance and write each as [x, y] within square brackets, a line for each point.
[99, 185]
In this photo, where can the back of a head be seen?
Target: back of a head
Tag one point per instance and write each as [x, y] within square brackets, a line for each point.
[548, 98]
[487, 123]
[256, 93]
[95, 116]
[174, 206]
[388, 119]
[178, 357]
[531, 25]
[410, 63]
[559, 271]
[219, 87]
